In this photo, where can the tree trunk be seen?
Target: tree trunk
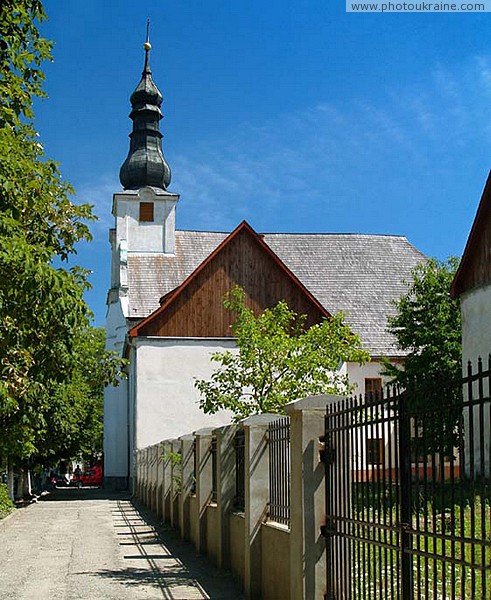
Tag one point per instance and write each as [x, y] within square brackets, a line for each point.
[28, 483]
[21, 484]
[10, 481]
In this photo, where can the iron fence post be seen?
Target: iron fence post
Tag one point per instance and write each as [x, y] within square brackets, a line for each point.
[326, 455]
[407, 590]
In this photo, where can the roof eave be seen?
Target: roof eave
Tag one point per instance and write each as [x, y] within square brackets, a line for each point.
[456, 289]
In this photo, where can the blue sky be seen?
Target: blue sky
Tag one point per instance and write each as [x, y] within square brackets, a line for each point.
[293, 115]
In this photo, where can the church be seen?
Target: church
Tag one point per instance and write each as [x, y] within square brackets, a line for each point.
[165, 310]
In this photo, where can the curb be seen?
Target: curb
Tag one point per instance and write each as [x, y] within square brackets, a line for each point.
[17, 511]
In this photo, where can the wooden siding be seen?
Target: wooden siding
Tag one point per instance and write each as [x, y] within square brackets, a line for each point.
[478, 264]
[475, 267]
[197, 309]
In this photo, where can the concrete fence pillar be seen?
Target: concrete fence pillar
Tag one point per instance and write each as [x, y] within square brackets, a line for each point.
[140, 474]
[139, 458]
[149, 477]
[175, 481]
[160, 479]
[256, 497]
[166, 480]
[136, 480]
[203, 485]
[187, 484]
[225, 437]
[307, 550]
[155, 468]
[139, 468]
[145, 476]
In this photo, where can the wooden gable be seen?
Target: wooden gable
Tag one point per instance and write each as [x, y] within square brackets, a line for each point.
[195, 308]
[475, 266]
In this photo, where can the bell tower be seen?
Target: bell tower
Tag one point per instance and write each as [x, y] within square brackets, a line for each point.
[145, 211]
[144, 214]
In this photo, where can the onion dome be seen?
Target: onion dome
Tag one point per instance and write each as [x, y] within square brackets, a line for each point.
[145, 164]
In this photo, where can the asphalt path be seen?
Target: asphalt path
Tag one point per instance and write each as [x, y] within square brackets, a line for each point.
[90, 544]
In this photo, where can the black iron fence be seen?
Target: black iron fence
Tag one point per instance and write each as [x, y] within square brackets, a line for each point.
[279, 470]
[214, 469]
[195, 468]
[239, 443]
[408, 493]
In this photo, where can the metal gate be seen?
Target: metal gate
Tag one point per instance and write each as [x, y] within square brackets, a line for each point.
[407, 483]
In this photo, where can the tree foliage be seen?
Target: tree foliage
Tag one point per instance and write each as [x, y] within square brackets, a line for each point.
[278, 360]
[22, 51]
[6, 504]
[72, 425]
[43, 317]
[427, 325]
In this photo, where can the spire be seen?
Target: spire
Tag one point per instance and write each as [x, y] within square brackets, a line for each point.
[145, 164]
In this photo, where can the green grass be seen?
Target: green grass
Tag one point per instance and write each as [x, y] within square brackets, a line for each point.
[6, 505]
[435, 522]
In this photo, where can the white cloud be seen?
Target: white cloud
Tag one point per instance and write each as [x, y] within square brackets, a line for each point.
[424, 130]
[402, 162]
[343, 165]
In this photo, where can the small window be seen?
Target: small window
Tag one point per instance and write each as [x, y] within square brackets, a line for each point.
[373, 388]
[146, 211]
[375, 451]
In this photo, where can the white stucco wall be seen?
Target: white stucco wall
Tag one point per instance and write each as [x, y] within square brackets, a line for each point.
[163, 399]
[116, 432]
[475, 307]
[116, 402]
[129, 236]
[476, 324]
[155, 237]
[357, 374]
[166, 401]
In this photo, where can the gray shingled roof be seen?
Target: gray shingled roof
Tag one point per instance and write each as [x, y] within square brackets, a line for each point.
[358, 274]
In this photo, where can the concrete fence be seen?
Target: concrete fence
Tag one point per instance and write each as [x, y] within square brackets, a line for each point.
[192, 484]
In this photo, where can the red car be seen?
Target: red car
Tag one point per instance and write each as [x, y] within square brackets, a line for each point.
[93, 477]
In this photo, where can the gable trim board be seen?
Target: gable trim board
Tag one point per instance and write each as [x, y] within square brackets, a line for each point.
[475, 266]
[359, 274]
[245, 255]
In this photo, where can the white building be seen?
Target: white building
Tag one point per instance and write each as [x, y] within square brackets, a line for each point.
[165, 304]
[472, 285]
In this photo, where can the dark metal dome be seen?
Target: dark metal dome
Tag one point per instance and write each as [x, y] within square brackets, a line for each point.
[145, 164]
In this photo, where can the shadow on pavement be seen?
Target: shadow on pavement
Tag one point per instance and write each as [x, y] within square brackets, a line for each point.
[169, 565]
[170, 584]
[88, 493]
[175, 567]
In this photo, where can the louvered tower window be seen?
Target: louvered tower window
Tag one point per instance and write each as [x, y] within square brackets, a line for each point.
[146, 211]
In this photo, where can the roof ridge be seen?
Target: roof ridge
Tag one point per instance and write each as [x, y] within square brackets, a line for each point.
[297, 233]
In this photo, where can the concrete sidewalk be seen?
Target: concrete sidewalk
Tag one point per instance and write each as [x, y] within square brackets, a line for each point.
[88, 544]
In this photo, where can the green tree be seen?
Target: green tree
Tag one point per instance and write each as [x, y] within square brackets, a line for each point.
[72, 425]
[427, 325]
[32, 191]
[42, 311]
[22, 51]
[278, 360]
